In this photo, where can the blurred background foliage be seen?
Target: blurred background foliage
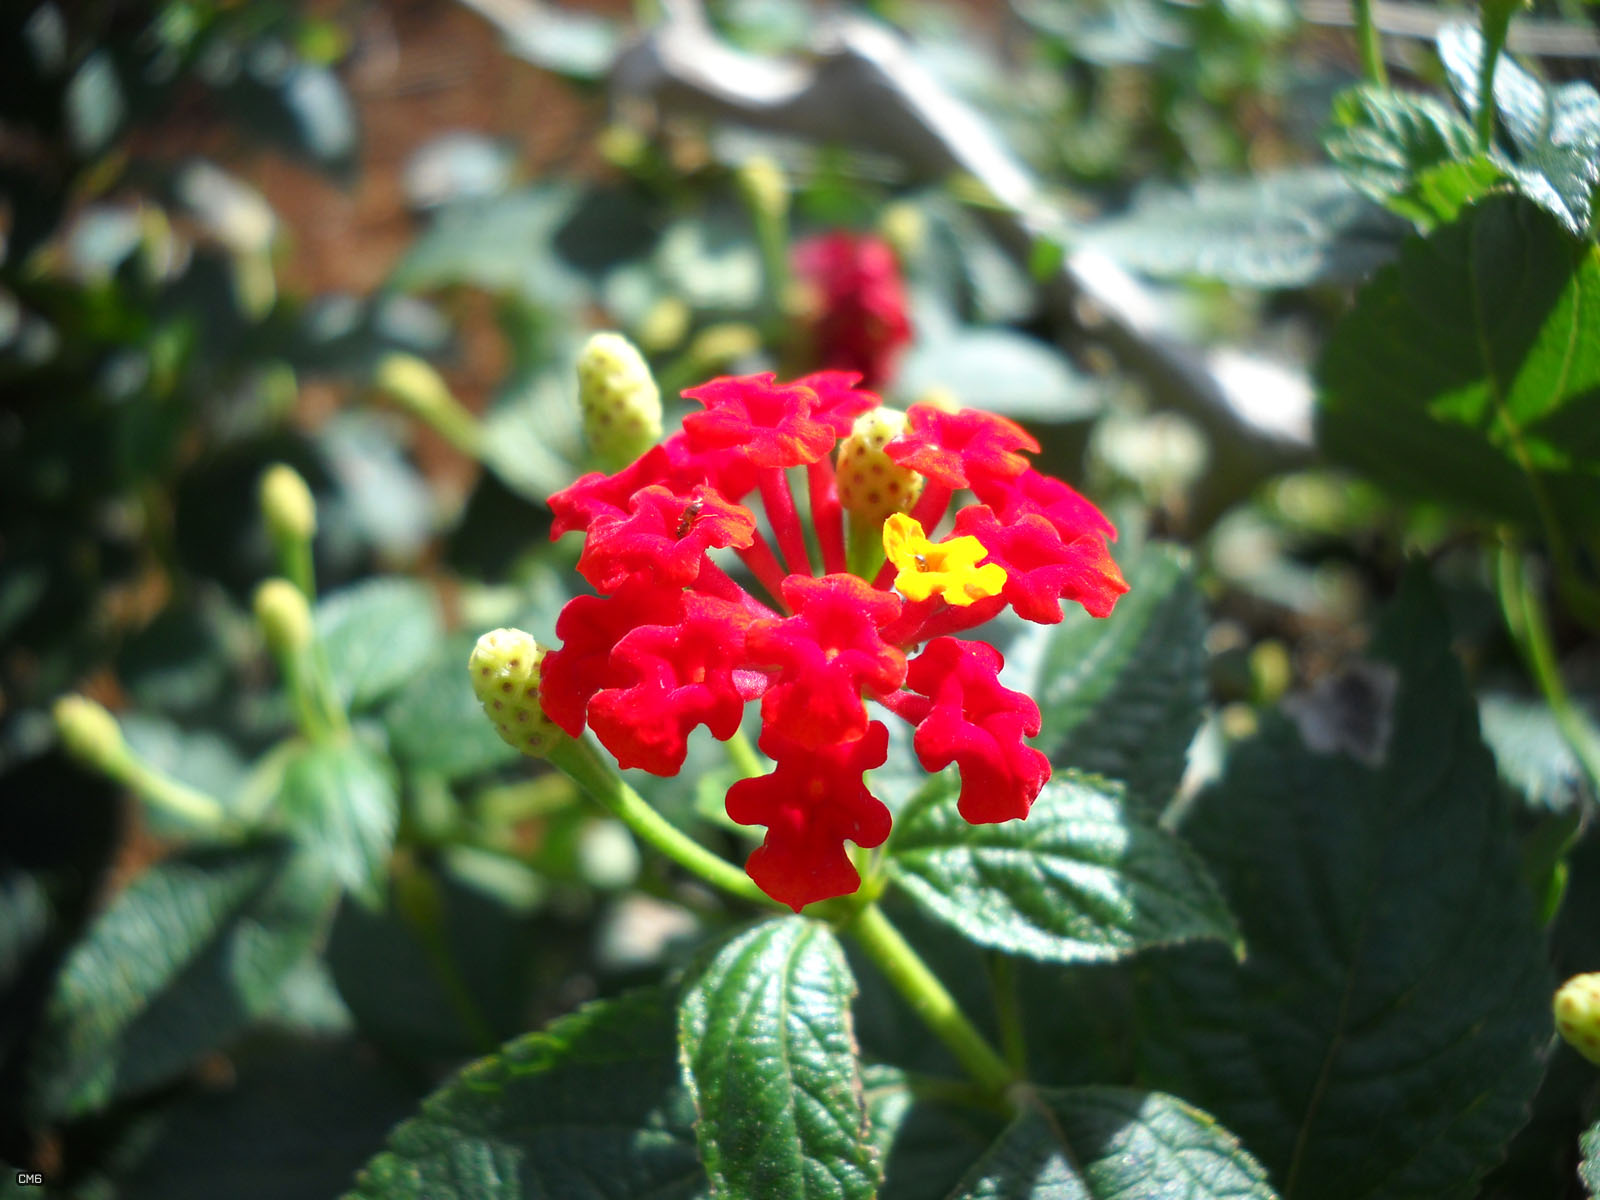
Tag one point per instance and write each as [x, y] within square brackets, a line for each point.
[366, 239]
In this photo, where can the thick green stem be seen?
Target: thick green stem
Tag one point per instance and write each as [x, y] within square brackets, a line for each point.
[930, 1000]
[744, 757]
[597, 777]
[1525, 618]
[1371, 45]
[1495, 24]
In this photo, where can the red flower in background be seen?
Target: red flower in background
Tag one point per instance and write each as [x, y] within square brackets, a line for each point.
[858, 304]
[675, 641]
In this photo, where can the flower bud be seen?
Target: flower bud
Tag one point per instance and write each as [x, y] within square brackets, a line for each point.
[505, 678]
[716, 346]
[287, 504]
[416, 386]
[665, 325]
[621, 403]
[1577, 1013]
[89, 733]
[763, 187]
[871, 484]
[284, 617]
[905, 229]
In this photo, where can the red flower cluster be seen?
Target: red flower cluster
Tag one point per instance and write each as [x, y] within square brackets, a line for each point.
[858, 322]
[673, 641]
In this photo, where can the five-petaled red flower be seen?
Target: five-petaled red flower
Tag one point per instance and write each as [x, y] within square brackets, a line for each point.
[675, 640]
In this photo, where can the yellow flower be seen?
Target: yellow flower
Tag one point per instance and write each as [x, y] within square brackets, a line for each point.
[949, 569]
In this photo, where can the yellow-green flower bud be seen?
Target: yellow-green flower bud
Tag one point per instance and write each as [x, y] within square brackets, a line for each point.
[414, 385]
[505, 678]
[1577, 1013]
[89, 733]
[716, 346]
[620, 401]
[284, 617]
[763, 187]
[287, 504]
[871, 484]
[665, 325]
[904, 228]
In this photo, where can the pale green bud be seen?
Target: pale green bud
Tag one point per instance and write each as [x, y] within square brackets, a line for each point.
[763, 186]
[905, 229]
[414, 384]
[716, 346]
[287, 504]
[620, 401]
[665, 325]
[505, 677]
[284, 617]
[89, 733]
[1577, 1013]
[871, 484]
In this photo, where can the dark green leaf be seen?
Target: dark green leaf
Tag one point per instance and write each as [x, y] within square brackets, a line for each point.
[589, 1107]
[436, 724]
[770, 1058]
[1410, 152]
[1098, 1143]
[1288, 229]
[1123, 696]
[1393, 964]
[1555, 130]
[1080, 880]
[375, 634]
[190, 954]
[339, 800]
[1589, 1168]
[1470, 370]
[925, 1146]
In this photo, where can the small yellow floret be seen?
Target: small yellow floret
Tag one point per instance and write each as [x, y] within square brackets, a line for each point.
[949, 569]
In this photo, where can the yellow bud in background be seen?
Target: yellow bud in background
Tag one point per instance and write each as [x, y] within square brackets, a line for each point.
[89, 733]
[620, 401]
[871, 484]
[505, 677]
[665, 325]
[763, 186]
[905, 229]
[1577, 1013]
[287, 504]
[941, 398]
[715, 346]
[284, 617]
[413, 384]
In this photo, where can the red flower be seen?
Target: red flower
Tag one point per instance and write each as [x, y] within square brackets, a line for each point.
[813, 801]
[858, 321]
[676, 641]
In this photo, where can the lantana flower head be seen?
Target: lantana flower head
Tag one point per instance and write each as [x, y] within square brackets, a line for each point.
[700, 611]
[856, 303]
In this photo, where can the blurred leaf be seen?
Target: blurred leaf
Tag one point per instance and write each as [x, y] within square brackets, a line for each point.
[1589, 1168]
[1123, 696]
[457, 166]
[1292, 228]
[1410, 152]
[1393, 963]
[339, 800]
[190, 954]
[591, 1106]
[95, 107]
[770, 1060]
[579, 45]
[1533, 757]
[1097, 1143]
[925, 1147]
[381, 494]
[1469, 372]
[711, 261]
[374, 633]
[1080, 880]
[436, 724]
[1001, 370]
[1555, 130]
[198, 757]
[179, 662]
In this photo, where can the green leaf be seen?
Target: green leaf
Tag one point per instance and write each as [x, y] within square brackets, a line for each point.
[1102, 1143]
[1469, 372]
[1288, 229]
[340, 801]
[1555, 130]
[770, 1058]
[1410, 152]
[1589, 1168]
[436, 724]
[1393, 963]
[1534, 759]
[374, 634]
[1123, 696]
[925, 1146]
[190, 954]
[589, 1107]
[1005, 371]
[1080, 880]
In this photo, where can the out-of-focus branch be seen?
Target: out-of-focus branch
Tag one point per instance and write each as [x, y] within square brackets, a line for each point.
[862, 88]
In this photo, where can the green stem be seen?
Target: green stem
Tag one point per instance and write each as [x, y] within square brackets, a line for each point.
[1371, 45]
[1495, 25]
[179, 799]
[596, 776]
[863, 547]
[744, 757]
[1525, 619]
[930, 1000]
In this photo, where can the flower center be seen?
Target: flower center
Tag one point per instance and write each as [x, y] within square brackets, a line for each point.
[948, 569]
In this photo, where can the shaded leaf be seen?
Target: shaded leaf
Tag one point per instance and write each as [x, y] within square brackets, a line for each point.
[374, 634]
[1080, 880]
[1393, 963]
[340, 801]
[926, 1147]
[1098, 1143]
[770, 1059]
[1531, 753]
[1001, 370]
[1589, 1168]
[590, 1106]
[436, 724]
[1468, 371]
